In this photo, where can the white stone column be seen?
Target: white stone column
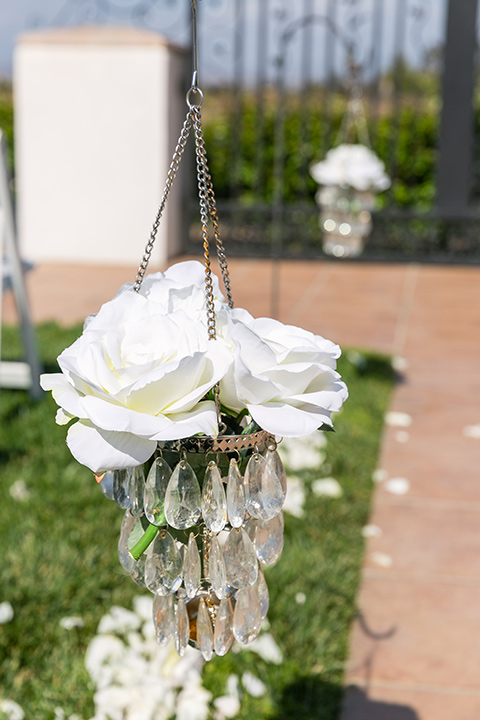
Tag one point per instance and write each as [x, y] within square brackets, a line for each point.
[98, 111]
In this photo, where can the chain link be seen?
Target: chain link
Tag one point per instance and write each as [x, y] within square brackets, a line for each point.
[171, 175]
[204, 214]
[212, 205]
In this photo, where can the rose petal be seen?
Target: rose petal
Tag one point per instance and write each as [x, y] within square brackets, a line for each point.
[63, 393]
[116, 418]
[100, 450]
[200, 419]
[287, 421]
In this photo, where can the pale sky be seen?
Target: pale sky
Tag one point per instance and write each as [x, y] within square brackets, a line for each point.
[218, 24]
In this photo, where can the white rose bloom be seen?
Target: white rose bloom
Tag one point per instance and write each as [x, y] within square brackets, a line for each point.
[283, 375]
[140, 371]
[351, 165]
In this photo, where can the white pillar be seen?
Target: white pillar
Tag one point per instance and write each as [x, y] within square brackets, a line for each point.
[98, 111]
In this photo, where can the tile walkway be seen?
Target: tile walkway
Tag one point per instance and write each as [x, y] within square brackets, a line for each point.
[415, 646]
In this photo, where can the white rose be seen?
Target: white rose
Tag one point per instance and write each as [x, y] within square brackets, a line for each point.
[283, 375]
[351, 165]
[139, 372]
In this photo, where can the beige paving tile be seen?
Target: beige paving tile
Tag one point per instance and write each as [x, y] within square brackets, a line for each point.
[440, 465]
[426, 539]
[417, 632]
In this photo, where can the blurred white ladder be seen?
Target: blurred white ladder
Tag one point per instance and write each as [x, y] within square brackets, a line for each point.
[21, 375]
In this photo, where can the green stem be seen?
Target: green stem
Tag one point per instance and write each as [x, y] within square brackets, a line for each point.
[147, 538]
[241, 415]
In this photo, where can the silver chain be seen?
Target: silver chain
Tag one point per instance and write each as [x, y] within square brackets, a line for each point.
[210, 197]
[202, 170]
[208, 209]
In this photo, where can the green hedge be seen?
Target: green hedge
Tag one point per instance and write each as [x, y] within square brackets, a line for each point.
[406, 143]
[6, 119]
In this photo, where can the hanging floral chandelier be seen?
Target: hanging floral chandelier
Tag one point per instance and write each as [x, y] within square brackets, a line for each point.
[176, 400]
[351, 176]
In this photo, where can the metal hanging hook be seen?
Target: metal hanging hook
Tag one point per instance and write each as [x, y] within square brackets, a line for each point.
[195, 44]
[194, 95]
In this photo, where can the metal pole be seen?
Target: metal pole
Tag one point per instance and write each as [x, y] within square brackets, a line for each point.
[456, 122]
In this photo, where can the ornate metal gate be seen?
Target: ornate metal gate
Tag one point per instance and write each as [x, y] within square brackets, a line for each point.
[279, 75]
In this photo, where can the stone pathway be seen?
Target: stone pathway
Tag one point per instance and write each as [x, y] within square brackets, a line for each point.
[415, 647]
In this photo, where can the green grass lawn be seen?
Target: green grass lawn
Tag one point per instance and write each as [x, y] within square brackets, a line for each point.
[59, 558]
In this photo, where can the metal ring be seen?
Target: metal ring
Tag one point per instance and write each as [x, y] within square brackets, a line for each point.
[191, 104]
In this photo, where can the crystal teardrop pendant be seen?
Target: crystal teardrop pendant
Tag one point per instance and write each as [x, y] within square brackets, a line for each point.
[216, 569]
[137, 487]
[268, 539]
[191, 568]
[128, 524]
[155, 489]
[240, 559]
[235, 495]
[181, 627]
[183, 498]
[204, 631]
[214, 502]
[121, 488]
[275, 462]
[223, 635]
[163, 568]
[163, 618]
[247, 617]
[263, 596]
[264, 491]
[138, 571]
[106, 484]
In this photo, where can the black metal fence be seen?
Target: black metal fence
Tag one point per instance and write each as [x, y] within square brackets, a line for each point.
[278, 77]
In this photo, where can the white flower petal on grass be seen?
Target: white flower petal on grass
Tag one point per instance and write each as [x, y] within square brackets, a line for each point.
[135, 678]
[193, 703]
[6, 612]
[303, 453]
[295, 498]
[226, 706]
[253, 685]
[399, 363]
[119, 620]
[11, 710]
[328, 487]
[397, 486]
[233, 686]
[371, 531]
[300, 598]
[472, 431]
[398, 419]
[74, 621]
[379, 475]
[142, 605]
[381, 559]
[104, 649]
[266, 647]
[19, 490]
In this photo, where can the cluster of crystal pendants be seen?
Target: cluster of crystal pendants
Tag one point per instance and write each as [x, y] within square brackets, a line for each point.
[204, 565]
